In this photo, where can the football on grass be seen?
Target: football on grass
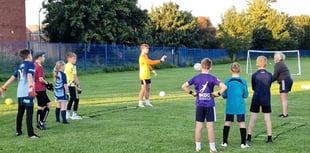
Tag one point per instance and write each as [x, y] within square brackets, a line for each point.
[162, 93]
[197, 66]
[8, 101]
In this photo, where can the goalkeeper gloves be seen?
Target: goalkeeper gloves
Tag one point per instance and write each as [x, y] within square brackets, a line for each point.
[68, 95]
[31, 92]
[216, 94]
[49, 86]
[79, 90]
[192, 93]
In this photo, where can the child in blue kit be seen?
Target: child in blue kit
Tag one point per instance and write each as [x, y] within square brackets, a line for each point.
[261, 82]
[237, 91]
[61, 91]
[25, 92]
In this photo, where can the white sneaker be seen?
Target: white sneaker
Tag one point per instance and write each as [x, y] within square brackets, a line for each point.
[149, 104]
[141, 106]
[244, 146]
[75, 117]
[198, 149]
[224, 144]
[68, 116]
[214, 151]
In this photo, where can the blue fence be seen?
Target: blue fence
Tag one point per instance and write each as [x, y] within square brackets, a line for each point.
[98, 56]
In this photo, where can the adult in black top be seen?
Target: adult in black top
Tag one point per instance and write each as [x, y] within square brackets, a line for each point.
[282, 75]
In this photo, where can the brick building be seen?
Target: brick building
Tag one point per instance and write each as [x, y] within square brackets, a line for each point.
[12, 21]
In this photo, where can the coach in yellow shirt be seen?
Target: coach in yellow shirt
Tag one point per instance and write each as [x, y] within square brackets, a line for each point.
[144, 72]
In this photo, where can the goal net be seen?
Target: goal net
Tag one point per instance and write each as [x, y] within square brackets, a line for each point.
[292, 59]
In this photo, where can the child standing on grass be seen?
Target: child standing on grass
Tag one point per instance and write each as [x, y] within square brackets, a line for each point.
[205, 106]
[237, 90]
[44, 103]
[74, 86]
[61, 91]
[25, 92]
[261, 83]
[144, 73]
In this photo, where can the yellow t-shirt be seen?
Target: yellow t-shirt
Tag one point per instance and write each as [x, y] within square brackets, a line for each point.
[70, 71]
[145, 66]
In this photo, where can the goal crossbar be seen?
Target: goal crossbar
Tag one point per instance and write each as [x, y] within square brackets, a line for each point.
[249, 65]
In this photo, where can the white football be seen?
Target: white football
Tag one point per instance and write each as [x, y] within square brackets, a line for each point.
[197, 66]
[162, 94]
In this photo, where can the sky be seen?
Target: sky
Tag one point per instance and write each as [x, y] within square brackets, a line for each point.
[214, 9]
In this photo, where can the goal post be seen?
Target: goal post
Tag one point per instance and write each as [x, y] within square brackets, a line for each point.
[292, 60]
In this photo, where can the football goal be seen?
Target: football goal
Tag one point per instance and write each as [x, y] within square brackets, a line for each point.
[292, 59]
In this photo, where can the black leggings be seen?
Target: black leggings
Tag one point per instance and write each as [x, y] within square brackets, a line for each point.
[74, 97]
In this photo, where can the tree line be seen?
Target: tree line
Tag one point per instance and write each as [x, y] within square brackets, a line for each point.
[122, 22]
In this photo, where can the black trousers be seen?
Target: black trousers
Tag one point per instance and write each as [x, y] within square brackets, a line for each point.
[19, 119]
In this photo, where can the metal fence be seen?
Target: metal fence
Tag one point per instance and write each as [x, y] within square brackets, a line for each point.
[94, 57]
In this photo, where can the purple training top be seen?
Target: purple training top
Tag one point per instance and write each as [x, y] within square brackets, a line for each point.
[204, 86]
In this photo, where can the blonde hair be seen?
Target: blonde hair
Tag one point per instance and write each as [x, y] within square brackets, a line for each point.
[206, 63]
[71, 54]
[235, 67]
[261, 61]
[143, 46]
[58, 66]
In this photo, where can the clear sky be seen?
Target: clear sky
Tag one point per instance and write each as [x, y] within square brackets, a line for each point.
[211, 8]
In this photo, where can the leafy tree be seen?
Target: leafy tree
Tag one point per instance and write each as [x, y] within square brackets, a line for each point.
[206, 35]
[262, 38]
[94, 21]
[234, 32]
[258, 11]
[264, 18]
[300, 30]
[168, 26]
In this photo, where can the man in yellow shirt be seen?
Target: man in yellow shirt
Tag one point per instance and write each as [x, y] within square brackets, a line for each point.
[144, 73]
[74, 86]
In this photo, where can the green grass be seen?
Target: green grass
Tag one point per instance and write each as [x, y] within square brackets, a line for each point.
[112, 124]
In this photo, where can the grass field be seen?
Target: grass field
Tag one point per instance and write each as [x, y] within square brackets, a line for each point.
[113, 124]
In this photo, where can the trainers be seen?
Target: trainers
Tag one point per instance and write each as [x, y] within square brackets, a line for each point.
[141, 106]
[243, 146]
[68, 116]
[34, 136]
[283, 116]
[149, 104]
[248, 142]
[269, 141]
[75, 117]
[18, 134]
[198, 149]
[215, 151]
[224, 144]
[41, 126]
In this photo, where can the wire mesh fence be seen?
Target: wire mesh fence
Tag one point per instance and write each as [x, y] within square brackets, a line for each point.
[96, 57]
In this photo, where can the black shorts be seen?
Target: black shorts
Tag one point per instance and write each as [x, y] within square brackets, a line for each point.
[286, 85]
[146, 82]
[205, 114]
[73, 92]
[230, 117]
[256, 107]
[42, 98]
